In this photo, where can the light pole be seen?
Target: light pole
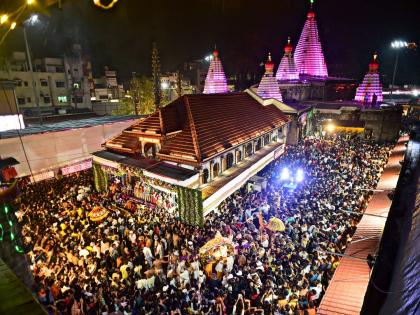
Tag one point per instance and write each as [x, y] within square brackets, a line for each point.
[396, 44]
[34, 86]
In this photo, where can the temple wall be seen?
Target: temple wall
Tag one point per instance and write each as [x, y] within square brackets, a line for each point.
[55, 149]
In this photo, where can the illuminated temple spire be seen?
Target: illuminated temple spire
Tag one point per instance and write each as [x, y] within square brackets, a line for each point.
[309, 57]
[268, 87]
[216, 79]
[371, 85]
[287, 69]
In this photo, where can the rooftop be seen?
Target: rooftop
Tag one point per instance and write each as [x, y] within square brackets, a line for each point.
[66, 125]
[197, 127]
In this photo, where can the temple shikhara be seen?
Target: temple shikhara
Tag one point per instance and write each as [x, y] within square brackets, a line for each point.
[268, 87]
[370, 90]
[287, 70]
[176, 156]
[309, 57]
[216, 80]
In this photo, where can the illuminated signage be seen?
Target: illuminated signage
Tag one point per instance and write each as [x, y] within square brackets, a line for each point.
[42, 176]
[76, 167]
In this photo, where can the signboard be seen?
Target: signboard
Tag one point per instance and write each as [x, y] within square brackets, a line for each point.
[279, 151]
[76, 167]
[43, 176]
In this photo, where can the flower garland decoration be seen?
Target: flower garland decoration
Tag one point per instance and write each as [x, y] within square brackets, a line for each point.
[108, 6]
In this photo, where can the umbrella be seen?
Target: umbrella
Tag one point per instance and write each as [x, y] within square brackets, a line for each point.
[98, 214]
[275, 224]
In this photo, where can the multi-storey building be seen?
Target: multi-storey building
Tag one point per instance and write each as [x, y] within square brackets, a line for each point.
[55, 84]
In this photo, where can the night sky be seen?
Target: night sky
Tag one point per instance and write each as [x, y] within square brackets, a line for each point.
[243, 30]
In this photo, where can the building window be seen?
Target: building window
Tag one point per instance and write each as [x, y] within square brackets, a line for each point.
[76, 86]
[25, 83]
[28, 100]
[62, 99]
[47, 99]
[77, 99]
[103, 97]
[19, 83]
[43, 82]
[21, 100]
[59, 84]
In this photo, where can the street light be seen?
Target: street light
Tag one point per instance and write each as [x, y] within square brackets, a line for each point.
[4, 18]
[396, 44]
[13, 26]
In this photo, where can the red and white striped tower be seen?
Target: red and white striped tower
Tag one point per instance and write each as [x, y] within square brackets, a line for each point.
[371, 85]
[287, 70]
[216, 79]
[269, 87]
[309, 57]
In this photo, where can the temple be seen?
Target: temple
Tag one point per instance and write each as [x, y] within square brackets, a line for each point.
[216, 79]
[198, 145]
[287, 70]
[370, 90]
[268, 87]
[309, 57]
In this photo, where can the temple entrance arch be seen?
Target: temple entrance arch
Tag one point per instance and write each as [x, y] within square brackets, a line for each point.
[216, 170]
[229, 160]
[248, 149]
[150, 149]
[205, 176]
[238, 156]
[258, 144]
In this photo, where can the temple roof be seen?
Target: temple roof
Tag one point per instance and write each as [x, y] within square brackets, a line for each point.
[371, 85]
[309, 57]
[216, 79]
[287, 70]
[194, 128]
[268, 87]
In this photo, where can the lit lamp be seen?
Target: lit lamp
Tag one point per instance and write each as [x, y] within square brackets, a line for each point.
[4, 18]
[330, 128]
[285, 174]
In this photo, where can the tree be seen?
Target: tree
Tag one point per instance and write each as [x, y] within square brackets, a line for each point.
[140, 99]
[156, 76]
[179, 83]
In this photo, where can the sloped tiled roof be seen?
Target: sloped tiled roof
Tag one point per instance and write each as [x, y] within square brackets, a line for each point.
[347, 288]
[196, 127]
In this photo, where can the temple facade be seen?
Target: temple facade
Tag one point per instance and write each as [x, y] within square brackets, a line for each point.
[269, 87]
[216, 80]
[201, 143]
[370, 90]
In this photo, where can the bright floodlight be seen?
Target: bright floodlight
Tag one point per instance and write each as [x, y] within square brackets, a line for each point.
[399, 44]
[209, 58]
[33, 19]
[330, 128]
[4, 18]
[164, 85]
[299, 175]
[285, 174]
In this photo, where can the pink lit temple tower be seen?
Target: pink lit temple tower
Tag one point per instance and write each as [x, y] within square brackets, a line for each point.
[287, 69]
[309, 57]
[370, 90]
[269, 87]
[216, 79]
